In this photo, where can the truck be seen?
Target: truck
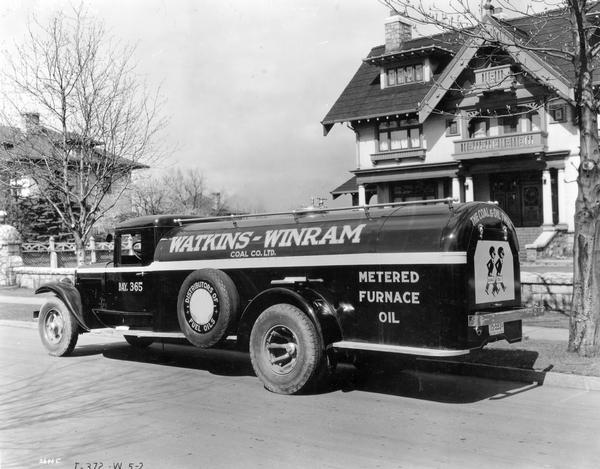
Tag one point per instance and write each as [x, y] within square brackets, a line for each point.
[299, 290]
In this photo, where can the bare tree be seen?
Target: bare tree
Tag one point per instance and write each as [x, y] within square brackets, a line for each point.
[99, 121]
[578, 43]
[178, 192]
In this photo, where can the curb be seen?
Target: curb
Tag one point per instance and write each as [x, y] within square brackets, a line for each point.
[542, 378]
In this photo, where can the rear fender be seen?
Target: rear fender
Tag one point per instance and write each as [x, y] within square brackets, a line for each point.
[69, 295]
[312, 303]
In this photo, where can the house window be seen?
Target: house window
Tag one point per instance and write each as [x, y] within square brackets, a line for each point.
[452, 127]
[404, 75]
[558, 113]
[391, 77]
[399, 135]
[478, 128]
[418, 72]
[415, 190]
[509, 124]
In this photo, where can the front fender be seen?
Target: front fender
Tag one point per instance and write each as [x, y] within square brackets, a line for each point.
[69, 295]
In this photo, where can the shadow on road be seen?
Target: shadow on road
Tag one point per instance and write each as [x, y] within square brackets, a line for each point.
[426, 385]
[222, 362]
[411, 380]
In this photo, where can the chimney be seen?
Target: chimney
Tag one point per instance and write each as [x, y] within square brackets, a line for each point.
[488, 9]
[32, 121]
[397, 31]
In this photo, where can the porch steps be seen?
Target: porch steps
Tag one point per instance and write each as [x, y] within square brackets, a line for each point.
[526, 235]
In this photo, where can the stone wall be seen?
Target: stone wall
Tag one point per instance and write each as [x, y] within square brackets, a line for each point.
[34, 277]
[10, 244]
[552, 290]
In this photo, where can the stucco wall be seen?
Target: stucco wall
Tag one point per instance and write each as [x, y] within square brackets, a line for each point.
[563, 135]
[366, 145]
[439, 147]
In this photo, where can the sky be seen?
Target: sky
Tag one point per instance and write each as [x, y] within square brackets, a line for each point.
[246, 85]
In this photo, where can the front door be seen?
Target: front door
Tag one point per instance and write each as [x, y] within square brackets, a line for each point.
[131, 300]
[519, 195]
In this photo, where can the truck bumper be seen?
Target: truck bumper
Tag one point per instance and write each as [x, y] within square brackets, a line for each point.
[481, 318]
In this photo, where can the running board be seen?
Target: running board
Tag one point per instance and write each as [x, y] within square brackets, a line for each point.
[121, 331]
[424, 352]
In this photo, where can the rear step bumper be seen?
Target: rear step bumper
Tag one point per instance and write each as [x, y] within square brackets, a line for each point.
[483, 318]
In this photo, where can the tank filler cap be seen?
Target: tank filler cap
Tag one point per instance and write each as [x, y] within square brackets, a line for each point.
[480, 228]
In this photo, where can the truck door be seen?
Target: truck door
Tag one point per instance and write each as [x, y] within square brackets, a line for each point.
[131, 299]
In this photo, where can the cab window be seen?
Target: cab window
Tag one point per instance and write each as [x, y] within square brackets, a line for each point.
[134, 248]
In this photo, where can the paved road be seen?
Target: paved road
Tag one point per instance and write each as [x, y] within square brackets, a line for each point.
[180, 407]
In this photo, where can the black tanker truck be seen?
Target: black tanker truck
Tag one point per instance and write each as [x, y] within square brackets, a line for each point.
[298, 289]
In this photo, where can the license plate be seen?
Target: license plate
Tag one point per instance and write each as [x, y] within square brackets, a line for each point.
[496, 328]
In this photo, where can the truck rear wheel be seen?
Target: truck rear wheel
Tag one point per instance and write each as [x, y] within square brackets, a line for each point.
[58, 328]
[285, 349]
[207, 304]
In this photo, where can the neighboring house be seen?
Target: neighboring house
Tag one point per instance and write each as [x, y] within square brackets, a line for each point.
[435, 118]
[37, 143]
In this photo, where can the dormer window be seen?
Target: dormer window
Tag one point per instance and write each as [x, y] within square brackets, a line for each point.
[404, 75]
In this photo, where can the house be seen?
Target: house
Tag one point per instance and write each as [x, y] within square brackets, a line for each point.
[33, 158]
[453, 115]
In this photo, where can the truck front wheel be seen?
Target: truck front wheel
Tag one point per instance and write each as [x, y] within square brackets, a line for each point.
[286, 350]
[58, 328]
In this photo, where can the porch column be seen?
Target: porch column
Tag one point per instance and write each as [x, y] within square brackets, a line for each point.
[362, 196]
[547, 198]
[469, 189]
[562, 216]
[456, 189]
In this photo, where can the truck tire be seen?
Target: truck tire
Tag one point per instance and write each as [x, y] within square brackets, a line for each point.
[208, 303]
[286, 350]
[58, 328]
[138, 342]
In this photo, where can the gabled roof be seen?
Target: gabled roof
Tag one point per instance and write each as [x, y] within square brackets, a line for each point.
[363, 97]
[42, 143]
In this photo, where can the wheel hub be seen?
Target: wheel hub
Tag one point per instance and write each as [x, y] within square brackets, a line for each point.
[281, 346]
[54, 327]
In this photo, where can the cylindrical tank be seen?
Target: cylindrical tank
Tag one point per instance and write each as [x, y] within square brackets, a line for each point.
[410, 274]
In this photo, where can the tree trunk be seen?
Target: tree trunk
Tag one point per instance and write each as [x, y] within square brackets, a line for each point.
[584, 337]
[79, 249]
[584, 334]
